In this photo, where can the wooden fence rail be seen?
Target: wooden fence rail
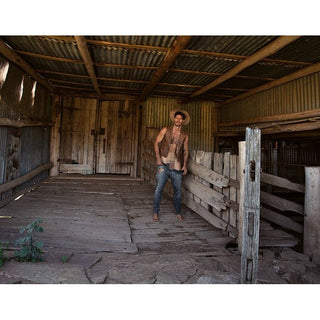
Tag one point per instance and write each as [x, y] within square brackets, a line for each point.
[212, 193]
[276, 209]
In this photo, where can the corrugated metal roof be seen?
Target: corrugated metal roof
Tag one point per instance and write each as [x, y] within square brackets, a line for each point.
[138, 57]
[306, 49]
[239, 45]
[125, 56]
[157, 41]
[45, 46]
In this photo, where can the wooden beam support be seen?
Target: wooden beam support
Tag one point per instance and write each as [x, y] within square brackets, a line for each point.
[261, 54]
[18, 181]
[103, 96]
[9, 54]
[251, 210]
[277, 118]
[179, 44]
[292, 76]
[81, 42]
[311, 239]
[7, 122]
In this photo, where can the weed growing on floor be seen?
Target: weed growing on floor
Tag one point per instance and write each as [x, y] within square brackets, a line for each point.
[30, 250]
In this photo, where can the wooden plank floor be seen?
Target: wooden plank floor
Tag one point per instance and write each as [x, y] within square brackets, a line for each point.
[103, 226]
[106, 214]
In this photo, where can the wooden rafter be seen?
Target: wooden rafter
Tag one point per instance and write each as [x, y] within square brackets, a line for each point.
[292, 76]
[81, 42]
[179, 44]
[268, 50]
[219, 55]
[110, 65]
[9, 54]
[103, 96]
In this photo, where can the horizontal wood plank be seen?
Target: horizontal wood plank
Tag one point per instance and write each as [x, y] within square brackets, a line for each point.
[281, 204]
[16, 182]
[281, 220]
[281, 182]
[209, 196]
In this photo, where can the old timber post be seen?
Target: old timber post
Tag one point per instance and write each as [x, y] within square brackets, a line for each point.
[311, 235]
[251, 210]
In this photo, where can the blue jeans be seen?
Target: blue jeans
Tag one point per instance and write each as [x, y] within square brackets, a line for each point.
[163, 174]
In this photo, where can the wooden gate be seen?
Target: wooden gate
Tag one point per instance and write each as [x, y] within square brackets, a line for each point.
[115, 143]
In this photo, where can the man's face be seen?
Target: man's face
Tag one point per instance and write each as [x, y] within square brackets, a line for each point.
[178, 120]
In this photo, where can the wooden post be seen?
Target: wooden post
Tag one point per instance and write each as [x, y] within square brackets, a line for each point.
[55, 136]
[251, 211]
[311, 239]
[242, 160]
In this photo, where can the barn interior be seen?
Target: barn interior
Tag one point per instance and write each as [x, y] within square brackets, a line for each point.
[90, 107]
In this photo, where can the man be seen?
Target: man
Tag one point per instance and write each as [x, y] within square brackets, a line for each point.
[172, 151]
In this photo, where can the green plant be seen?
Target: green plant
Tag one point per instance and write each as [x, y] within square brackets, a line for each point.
[29, 248]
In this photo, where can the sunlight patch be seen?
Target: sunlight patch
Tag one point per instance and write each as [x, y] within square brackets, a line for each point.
[33, 93]
[21, 90]
[4, 67]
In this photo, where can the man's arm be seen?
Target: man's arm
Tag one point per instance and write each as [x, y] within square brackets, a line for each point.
[159, 138]
[185, 155]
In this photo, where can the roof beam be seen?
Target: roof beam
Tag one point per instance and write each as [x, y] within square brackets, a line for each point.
[9, 54]
[268, 50]
[164, 49]
[290, 77]
[179, 44]
[81, 42]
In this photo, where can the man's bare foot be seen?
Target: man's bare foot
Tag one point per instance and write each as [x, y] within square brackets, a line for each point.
[155, 218]
[179, 217]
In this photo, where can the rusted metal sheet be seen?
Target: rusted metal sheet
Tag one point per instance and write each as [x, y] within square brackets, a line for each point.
[299, 95]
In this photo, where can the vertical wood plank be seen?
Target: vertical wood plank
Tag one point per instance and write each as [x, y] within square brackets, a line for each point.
[199, 160]
[233, 191]
[218, 167]
[226, 191]
[311, 236]
[240, 173]
[251, 217]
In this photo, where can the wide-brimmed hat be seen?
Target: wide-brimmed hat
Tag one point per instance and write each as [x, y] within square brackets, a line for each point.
[187, 116]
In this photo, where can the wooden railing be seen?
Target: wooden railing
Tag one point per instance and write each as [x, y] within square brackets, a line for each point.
[213, 195]
[277, 209]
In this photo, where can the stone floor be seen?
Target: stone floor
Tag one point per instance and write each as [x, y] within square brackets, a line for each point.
[99, 230]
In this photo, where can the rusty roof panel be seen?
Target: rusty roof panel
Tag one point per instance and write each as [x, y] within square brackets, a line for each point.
[204, 63]
[241, 83]
[45, 46]
[58, 66]
[239, 45]
[268, 69]
[125, 56]
[124, 73]
[157, 41]
[188, 78]
[305, 49]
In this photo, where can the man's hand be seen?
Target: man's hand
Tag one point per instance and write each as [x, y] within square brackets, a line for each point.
[185, 170]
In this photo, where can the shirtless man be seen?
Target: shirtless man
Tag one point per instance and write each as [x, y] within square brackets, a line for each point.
[172, 151]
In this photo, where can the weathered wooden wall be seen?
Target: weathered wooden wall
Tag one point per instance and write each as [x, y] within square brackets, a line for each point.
[78, 119]
[98, 136]
[25, 115]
